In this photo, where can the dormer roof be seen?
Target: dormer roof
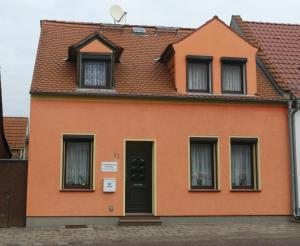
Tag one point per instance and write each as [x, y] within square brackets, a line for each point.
[169, 50]
[75, 48]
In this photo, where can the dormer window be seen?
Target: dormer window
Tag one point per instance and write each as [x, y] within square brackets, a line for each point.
[199, 74]
[96, 57]
[96, 71]
[233, 75]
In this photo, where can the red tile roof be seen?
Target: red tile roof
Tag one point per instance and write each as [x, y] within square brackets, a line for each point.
[139, 72]
[15, 129]
[279, 50]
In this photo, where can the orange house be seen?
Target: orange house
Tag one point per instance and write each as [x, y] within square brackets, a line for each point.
[144, 120]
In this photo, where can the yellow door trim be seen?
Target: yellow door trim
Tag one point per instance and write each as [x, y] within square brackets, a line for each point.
[153, 172]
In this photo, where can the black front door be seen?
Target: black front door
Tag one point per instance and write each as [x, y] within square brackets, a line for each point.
[138, 177]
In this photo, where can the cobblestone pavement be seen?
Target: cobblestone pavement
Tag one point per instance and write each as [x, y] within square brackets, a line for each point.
[258, 233]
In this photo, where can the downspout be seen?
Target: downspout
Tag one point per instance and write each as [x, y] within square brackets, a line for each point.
[292, 142]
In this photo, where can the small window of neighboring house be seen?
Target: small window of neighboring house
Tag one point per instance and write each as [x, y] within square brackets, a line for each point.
[233, 75]
[244, 173]
[77, 162]
[199, 74]
[96, 71]
[203, 163]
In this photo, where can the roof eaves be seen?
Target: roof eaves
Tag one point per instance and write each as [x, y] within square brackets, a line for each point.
[164, 97]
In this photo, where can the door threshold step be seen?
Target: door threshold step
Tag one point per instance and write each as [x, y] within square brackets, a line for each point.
[138, 214]
[135, 220]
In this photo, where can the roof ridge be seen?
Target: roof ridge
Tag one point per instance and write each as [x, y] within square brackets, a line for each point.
[101, 24]
[272, 23]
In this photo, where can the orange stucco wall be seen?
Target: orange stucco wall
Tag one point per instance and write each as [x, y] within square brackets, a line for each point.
[216, 40]
[170, 125]
[96, 46]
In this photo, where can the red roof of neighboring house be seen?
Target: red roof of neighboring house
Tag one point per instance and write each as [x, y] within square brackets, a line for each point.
[138, 74]
[15, 129]
[279, 50]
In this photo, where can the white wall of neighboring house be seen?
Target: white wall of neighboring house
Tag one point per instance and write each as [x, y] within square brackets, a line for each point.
[297, 148]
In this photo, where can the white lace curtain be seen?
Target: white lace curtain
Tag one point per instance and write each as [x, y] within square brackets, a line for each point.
[241, 165]
[95, 73]
[232, 80]
[77, 163]
[198, 76]
[201, 164]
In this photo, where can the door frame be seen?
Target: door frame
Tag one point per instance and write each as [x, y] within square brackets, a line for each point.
[153, 172]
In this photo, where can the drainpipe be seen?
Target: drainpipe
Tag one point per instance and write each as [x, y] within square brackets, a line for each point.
[292, 139]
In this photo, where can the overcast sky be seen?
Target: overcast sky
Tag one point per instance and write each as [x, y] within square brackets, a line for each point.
[20, 27]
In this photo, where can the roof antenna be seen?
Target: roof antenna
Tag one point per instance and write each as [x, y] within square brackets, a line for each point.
[118, 14]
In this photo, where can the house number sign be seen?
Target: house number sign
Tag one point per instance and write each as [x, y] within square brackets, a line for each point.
[109, 166]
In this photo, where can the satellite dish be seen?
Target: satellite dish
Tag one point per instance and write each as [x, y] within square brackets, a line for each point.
[117, 13]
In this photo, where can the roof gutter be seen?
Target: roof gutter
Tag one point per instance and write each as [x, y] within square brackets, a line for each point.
[292, 141]
[160, 97]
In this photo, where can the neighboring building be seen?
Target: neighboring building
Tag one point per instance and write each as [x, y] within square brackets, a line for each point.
[190, 117]
[279, 51]
[4, 149]
[16, 132]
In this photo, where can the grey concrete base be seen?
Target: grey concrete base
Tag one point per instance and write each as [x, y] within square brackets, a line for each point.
[62, 221]
[214, 219]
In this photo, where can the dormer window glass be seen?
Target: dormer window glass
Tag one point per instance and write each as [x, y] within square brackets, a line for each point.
[96, 71]
[233, 75]
[199, 74]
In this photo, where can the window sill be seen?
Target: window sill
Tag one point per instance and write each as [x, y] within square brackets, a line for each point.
[234, 94]
[204, 190]
[190, 92]
[77, 190]
[245, 190]
[96, 90]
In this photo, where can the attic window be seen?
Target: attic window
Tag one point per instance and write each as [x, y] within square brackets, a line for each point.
[95, 56]
[139, 30]
[95, 71]
[234, 75]
[199, 74]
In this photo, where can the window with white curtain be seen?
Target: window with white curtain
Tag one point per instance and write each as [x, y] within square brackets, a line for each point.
[243, 164]
[77, 162]
[95, 73]
[199, 76]
[203, 163]
[233, 77]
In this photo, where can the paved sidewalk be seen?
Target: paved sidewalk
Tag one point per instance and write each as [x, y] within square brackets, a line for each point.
[230, 233]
